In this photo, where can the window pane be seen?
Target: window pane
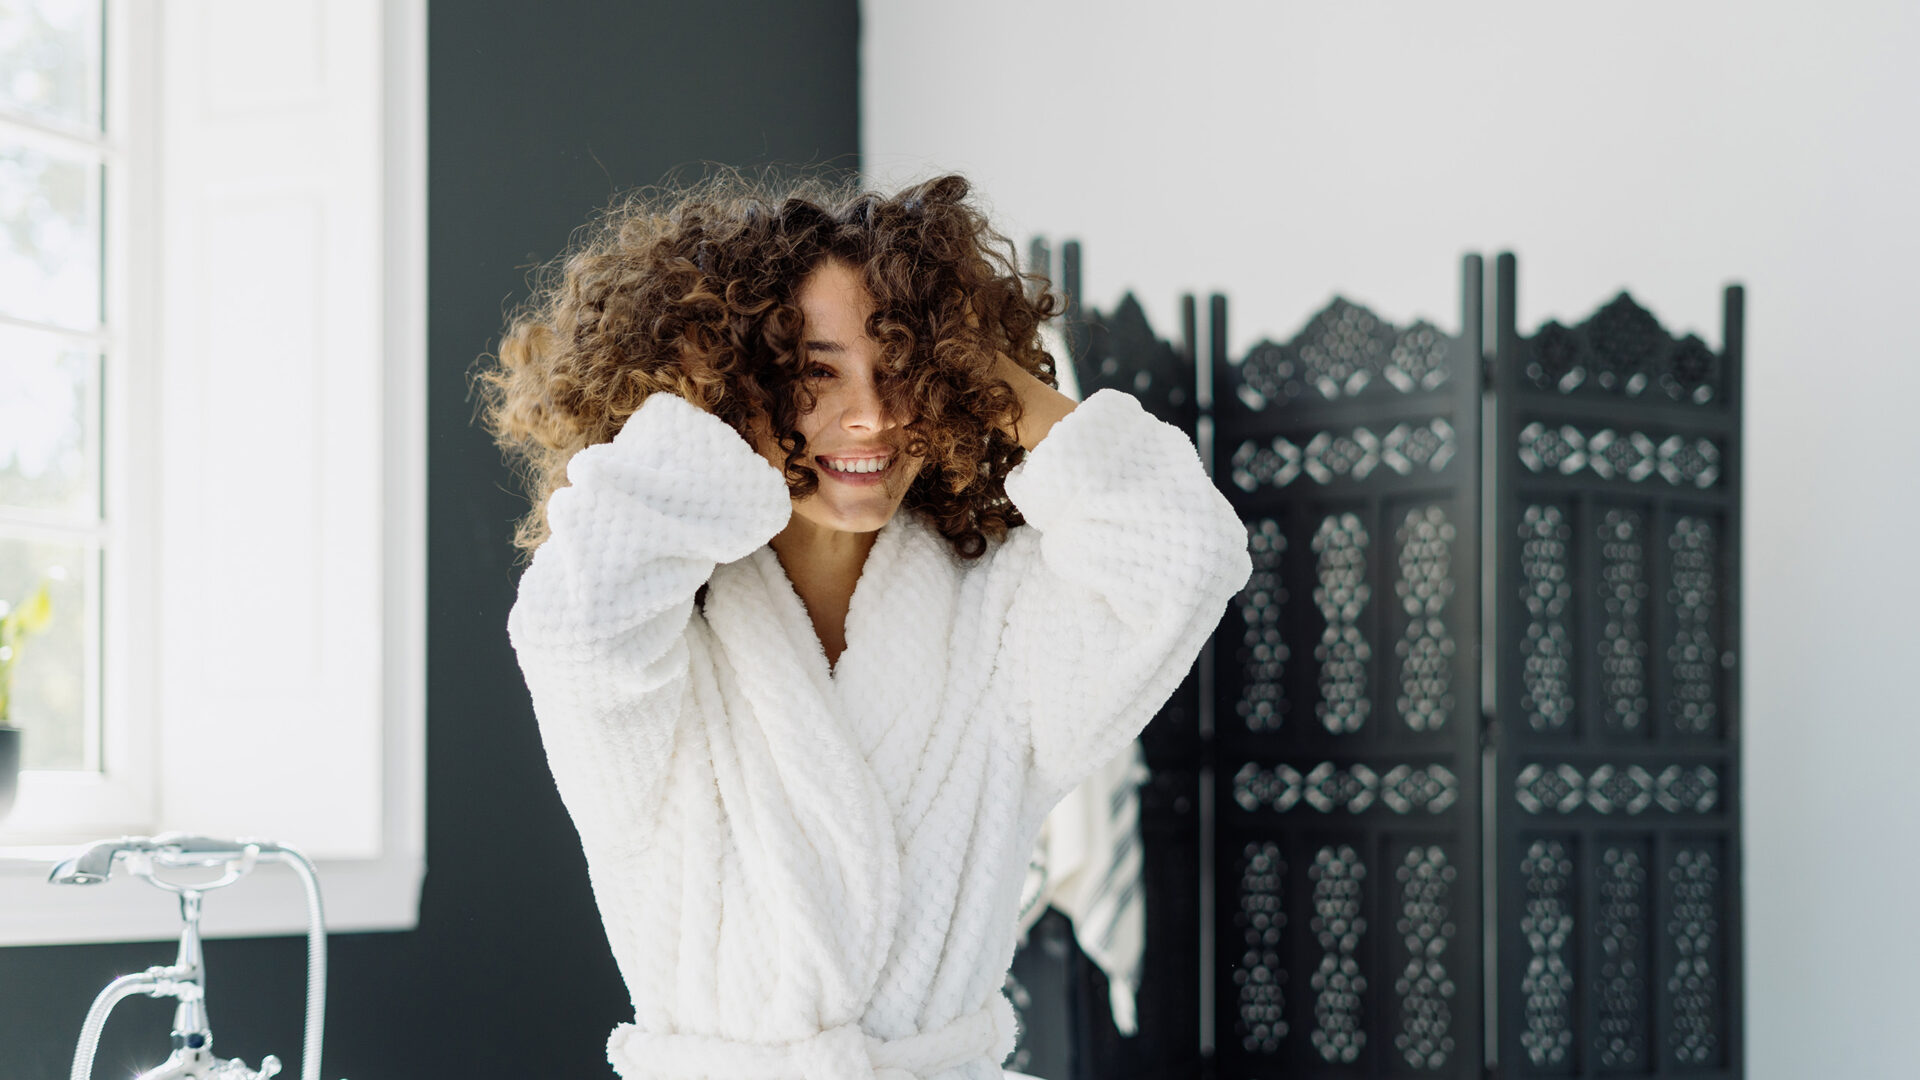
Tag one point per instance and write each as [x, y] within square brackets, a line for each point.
[50, 683]
[47, 437]
[49, 236]
[50, 60]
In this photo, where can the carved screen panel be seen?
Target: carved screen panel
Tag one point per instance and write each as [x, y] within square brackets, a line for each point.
[1617, 554]
[1347, 701]
[1120, 350]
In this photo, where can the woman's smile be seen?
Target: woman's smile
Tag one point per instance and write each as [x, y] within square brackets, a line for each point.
[857, 471]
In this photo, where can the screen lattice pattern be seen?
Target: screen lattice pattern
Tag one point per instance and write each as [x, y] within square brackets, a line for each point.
[1346, 691]
[1617, 797]
[1346, 688]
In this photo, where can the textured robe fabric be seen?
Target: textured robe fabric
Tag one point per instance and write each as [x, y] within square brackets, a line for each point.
[811, 872]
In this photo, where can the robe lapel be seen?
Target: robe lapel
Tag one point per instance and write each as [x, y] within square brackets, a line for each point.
[892, 678]
[810, 769]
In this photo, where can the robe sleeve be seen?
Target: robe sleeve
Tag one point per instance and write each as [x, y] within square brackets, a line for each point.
[1135, 558]
[600, 622]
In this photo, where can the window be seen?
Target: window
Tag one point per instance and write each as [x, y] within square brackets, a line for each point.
[212, 424]
[55, 349]
[68, 345]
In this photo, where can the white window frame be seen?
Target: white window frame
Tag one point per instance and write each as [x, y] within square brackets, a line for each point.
[118, 717]
[370, 872]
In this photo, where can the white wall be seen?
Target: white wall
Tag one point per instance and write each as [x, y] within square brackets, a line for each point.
[1283, 152]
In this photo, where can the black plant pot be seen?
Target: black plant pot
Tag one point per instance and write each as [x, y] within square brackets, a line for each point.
[9, 767]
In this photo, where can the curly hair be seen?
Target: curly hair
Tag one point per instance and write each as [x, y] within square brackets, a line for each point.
[692, 291]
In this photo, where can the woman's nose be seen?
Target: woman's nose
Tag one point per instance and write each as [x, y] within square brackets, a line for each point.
[866, 409]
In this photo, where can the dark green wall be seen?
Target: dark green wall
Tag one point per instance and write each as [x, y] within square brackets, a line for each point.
[537, 113]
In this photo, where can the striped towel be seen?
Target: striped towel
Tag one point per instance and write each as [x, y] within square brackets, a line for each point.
[1088, 864]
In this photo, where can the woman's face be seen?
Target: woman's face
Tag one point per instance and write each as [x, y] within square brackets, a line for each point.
[851, 441]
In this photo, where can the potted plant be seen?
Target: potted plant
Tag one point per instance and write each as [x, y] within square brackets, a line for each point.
[17, 624]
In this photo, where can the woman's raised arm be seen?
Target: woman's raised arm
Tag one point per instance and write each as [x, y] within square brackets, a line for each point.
[600, 621]
[1131, 557]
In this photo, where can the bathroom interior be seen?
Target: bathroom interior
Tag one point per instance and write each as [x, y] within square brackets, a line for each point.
[252, 253]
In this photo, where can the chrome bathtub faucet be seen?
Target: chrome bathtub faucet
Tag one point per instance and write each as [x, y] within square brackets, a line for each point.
[192, 1056]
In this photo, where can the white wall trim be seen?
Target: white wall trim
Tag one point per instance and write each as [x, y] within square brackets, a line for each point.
[404, 319]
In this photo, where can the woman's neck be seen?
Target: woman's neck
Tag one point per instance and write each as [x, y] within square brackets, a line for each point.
[824, 565]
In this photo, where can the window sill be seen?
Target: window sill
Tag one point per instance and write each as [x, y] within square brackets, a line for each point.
[357, 895]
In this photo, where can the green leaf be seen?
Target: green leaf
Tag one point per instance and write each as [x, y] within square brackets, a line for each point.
[36, 611]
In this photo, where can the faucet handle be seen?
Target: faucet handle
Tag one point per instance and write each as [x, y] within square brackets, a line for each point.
[198, 1063]
[235, 1069]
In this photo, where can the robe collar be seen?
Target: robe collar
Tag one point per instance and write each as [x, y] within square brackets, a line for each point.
[797, 703]
[899, 619]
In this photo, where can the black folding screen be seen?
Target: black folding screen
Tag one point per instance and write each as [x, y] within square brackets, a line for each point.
[1369, 837]
[1618, 544]
[1347, 700]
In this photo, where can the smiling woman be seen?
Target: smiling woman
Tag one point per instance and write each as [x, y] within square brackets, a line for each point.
[855, 435]
[833, 596]
[700, 293]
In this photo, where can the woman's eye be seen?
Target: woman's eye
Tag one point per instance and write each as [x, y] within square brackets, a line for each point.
[820, 373]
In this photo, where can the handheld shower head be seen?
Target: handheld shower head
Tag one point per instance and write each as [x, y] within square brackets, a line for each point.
[91, 864]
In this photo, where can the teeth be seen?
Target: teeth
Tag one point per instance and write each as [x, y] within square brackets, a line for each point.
[867, 465]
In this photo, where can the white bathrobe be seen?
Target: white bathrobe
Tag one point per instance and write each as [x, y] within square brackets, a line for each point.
[810, 872]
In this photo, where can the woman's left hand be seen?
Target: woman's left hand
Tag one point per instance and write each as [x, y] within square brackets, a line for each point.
[1041, 406]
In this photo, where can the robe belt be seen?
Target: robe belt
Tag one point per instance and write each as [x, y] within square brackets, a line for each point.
[840, 1053]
